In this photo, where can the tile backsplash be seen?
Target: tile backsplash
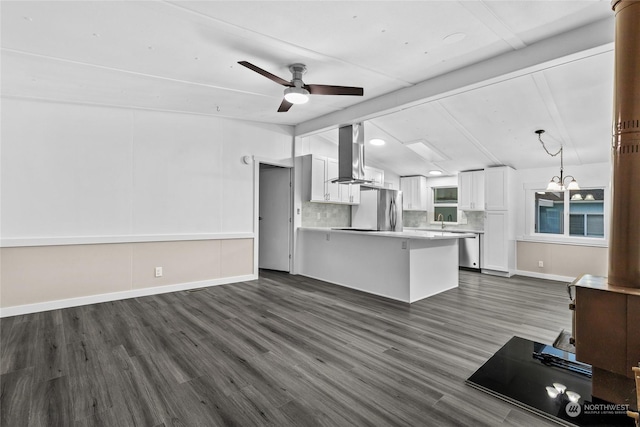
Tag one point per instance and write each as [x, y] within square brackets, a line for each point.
[334, 215]
[475, 220]
[468, 220]
[416, 219]
[325, 215]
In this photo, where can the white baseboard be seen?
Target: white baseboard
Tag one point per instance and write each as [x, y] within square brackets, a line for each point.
[545, 276]
[496, 273]
[114, 296]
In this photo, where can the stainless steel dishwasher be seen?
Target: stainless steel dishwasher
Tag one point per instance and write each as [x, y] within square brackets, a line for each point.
[470, 252]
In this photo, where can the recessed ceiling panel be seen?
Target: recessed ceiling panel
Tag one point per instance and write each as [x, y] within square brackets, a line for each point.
[583, 93]
[532, 21]
[182, 56]
[443, 134]
[414, 38]
[502, 117]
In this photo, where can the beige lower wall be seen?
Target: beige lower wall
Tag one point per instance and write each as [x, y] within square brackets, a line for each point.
[562, 260]
[39, 274]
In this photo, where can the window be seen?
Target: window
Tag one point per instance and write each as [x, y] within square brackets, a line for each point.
[585, 213]
[445, 202]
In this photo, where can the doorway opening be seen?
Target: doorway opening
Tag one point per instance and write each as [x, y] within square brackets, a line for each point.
[274, 218]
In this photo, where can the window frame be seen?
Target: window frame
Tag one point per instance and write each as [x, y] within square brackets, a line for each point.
[444, 205]
[565, 238]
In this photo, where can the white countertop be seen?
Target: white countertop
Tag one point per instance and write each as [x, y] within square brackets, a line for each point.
[453, 230]
[406, 234]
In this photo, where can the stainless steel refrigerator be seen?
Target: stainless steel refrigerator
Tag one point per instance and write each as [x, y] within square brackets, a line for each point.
[379, 209]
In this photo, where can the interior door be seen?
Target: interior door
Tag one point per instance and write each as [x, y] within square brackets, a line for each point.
[274, 224]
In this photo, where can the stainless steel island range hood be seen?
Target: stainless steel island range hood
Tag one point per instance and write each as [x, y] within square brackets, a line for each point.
[351, 155]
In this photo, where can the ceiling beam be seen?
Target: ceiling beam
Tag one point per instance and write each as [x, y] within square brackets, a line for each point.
[579, 43]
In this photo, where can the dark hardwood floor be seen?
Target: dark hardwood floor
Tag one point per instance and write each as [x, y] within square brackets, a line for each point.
[282, 350]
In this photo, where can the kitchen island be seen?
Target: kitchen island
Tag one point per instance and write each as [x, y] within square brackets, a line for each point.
[405, 266]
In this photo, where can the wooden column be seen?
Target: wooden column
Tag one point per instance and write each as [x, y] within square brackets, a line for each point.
[607, 333]
[624, 245]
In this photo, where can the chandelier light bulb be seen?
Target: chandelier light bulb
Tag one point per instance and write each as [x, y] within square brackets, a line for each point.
[552, 392]
[553, 186]
[560, 387]
[573, 396]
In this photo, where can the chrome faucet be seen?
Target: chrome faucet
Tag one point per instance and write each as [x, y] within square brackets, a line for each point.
[441, 218]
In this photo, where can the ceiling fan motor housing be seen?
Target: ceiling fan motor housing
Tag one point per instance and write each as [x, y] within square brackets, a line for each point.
[297, 70]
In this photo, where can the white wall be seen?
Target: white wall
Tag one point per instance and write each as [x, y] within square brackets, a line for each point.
[592, 175]
[314, 144]
[561, 260]
[94, 198]
[80, 171]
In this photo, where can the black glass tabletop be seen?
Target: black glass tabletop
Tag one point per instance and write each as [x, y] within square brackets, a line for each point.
[547, 381]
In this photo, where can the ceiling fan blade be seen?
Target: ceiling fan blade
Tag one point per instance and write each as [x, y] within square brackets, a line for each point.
[334, 90]
[284, 107]
[265, 73]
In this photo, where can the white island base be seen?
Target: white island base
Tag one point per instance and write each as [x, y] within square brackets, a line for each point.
[404, 266]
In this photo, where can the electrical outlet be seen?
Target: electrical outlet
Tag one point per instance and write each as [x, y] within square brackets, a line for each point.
[404, 244]
[540, 264]
[158, 271]
[328, 237]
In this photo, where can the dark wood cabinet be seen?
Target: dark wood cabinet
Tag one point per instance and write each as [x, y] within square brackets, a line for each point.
[607, 336]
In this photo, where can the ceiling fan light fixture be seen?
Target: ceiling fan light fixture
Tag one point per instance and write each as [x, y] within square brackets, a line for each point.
[296, 95]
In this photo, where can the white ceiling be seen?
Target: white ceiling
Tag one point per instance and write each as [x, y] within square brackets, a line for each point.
[182, 56]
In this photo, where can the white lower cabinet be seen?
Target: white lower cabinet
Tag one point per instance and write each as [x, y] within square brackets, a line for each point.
[495, 238]
[498, 244]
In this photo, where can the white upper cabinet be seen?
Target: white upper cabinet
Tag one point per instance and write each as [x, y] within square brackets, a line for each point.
[317, 174]
[497, 182]
[333, 189]
[317, 170]
[374, 175]
[414, 193]
[471, 191]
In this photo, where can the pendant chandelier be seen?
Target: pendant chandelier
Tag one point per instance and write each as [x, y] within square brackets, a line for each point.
[557, 183]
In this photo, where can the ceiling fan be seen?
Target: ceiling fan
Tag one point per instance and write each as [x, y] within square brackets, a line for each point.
[297, 91]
